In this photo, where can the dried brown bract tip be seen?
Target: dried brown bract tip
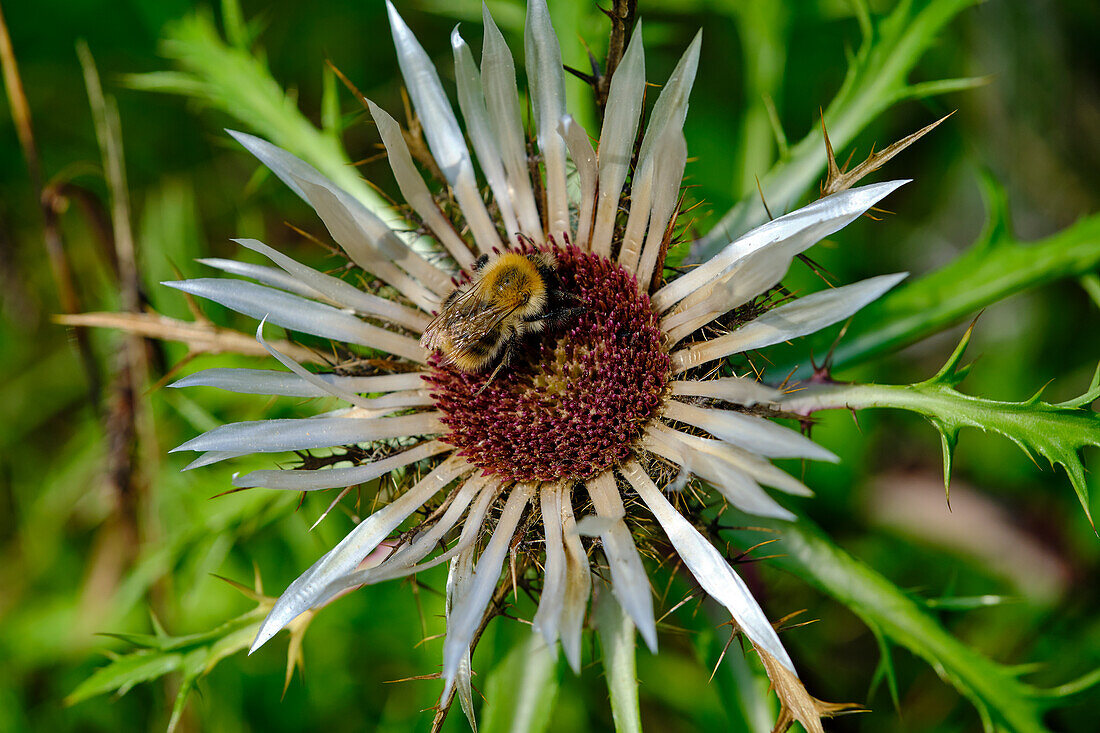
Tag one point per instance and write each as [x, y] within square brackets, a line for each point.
[841, 179]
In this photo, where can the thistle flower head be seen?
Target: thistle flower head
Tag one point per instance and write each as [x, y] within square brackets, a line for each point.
[594, 415]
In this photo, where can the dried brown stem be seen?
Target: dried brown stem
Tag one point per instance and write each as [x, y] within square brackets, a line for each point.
[200, 337]
[51, 230]
[840, 178]
[622, 23]
[129, 426]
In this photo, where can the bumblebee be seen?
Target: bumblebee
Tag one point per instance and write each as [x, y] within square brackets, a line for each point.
[512, 295]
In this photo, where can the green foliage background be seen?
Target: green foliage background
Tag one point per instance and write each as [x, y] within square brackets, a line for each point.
[1011, 571]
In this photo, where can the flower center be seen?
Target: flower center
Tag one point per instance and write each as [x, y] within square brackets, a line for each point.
[576, 397]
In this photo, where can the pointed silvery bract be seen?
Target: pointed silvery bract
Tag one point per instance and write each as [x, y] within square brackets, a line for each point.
[262, 274]
[413, 188]
[547, 83]
[709, 567]
[756, 434]
[629, 581]
[339, 292]
[463, 620]
[306, 375]
[750, 276]
[620, 127]
[298, 314]
[437, 119]
[804, 316]
[671, 107]
[498, 77]
[584, 160]
[670, 159]
[738, 390]
[578, 587]
[289, 434]
[211, 457]
[471, 100]
[405, 561]
[552, 599]
[441, 129]
[272, 382]
[810, 224]
[368, 240]
[459, 576]
[412, 551]
[641, 194]
[299, 479]
[699, 457]
[307, 591]
[738, 458]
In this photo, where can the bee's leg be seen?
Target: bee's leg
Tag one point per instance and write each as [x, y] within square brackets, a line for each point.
[505, 359]
[557, 316]
[480, 263]
[564, 295]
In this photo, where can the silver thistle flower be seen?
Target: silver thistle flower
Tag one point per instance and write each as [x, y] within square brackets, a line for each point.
[607, 403]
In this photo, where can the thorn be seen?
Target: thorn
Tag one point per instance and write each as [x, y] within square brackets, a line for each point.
[745, 553]
[825, 373]
[760, 190]
[850, 156]
[586, 78]
[817, 269]
[347, 83]
[787, 379]
[414, 678]
[230, 491]
[733, 635]
[833, 172]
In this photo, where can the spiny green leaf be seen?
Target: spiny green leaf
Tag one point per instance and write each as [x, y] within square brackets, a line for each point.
[161, 654]
[1091, 285]
[1075, 687]
[1091, 394]
[193, 666]
[143, 641]
[885, 668]
[1058, 432]
[236, 29]
[951, 374]
[330, 105]
[125, 672]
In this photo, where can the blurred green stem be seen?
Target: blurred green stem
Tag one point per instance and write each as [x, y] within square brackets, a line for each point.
[764, 32]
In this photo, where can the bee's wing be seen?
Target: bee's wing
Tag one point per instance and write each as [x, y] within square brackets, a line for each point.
[476, 326]
[464, 320]
[432, 338]
[450, 313]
